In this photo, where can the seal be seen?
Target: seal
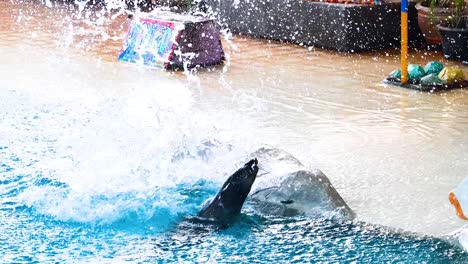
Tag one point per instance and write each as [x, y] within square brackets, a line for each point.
[228, 202]
[302, 193]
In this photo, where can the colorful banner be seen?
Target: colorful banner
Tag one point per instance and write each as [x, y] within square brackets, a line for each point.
[150, 42]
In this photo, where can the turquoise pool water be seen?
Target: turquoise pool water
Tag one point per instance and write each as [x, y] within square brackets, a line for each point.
[144, 230]
[92, 197]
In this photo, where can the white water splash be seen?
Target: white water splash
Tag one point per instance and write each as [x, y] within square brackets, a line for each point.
[120, 143]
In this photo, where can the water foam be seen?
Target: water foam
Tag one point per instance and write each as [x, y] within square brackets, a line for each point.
[115, 151]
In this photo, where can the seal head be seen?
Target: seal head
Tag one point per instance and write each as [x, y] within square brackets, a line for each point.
[228, 202]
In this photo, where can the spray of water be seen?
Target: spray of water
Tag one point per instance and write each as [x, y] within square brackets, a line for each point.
[92, 152]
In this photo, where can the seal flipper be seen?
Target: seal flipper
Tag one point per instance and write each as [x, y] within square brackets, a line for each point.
[287, 201]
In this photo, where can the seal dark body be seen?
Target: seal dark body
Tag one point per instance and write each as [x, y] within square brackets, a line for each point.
[227, 204]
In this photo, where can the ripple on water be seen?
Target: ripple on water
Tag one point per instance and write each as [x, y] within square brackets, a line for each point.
[302, 240]
[85, 179]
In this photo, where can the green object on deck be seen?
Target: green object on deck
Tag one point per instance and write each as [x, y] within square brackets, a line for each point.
[431, 79]
[395, 74]
[415, 72]
[433, 67]
[452, 75]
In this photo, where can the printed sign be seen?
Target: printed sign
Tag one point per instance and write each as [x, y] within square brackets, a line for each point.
[150, 42]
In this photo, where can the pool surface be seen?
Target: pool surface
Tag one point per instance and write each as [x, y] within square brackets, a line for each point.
[105, 162]
[44, 219]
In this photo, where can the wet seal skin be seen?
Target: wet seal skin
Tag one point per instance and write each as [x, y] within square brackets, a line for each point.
[228, 202]
[302, 193]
